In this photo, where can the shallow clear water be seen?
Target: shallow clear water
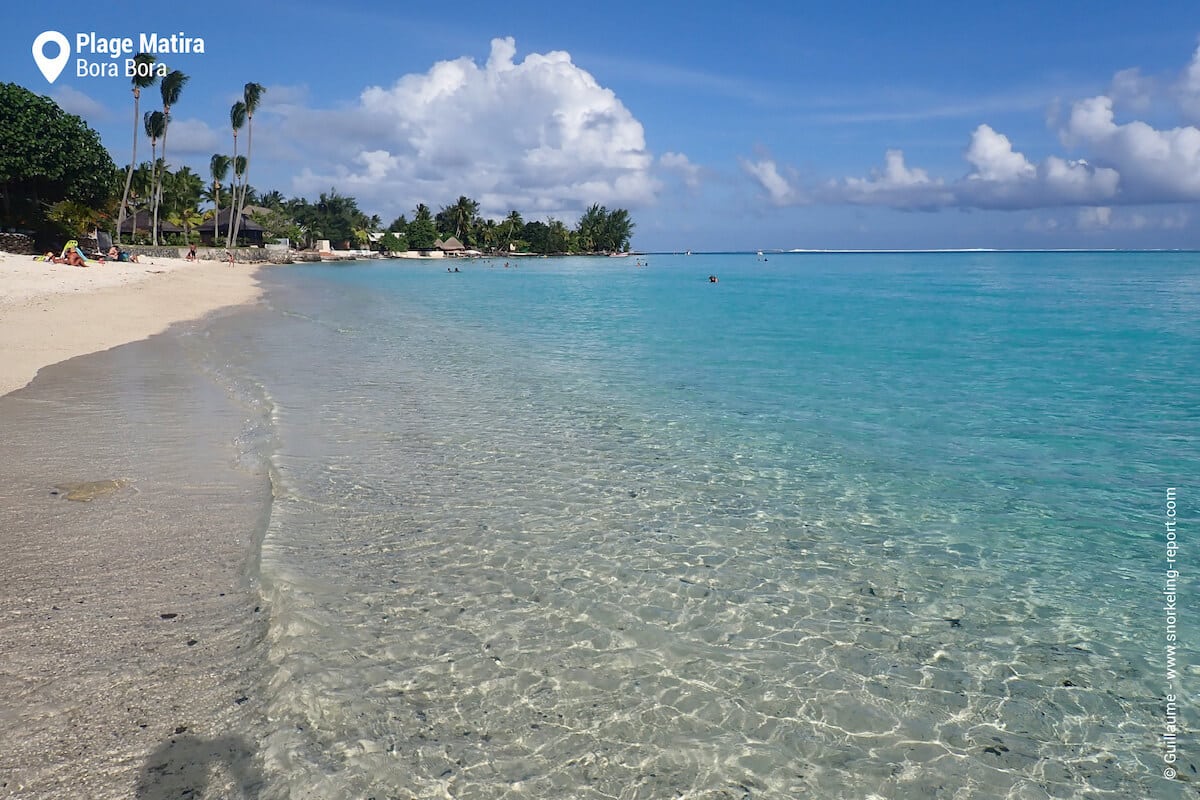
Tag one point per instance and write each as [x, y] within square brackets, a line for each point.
[836, 526]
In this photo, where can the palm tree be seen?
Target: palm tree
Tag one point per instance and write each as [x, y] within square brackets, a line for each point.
[187, 219]
[421, 231]
[74, 218]
[514, 223]
[463, 213]
[171, 87]
[272, 199]
[487, 235]
[142, 79]
[156, 126]
[618, 230]
[239, 177]
[218, 167]
[180, 190]
[251, 96]
[558, 238]
[590, 230]
[139, 189]
[237, 119]
[362, 237]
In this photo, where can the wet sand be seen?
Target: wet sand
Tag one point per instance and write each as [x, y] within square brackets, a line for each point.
[131, 630]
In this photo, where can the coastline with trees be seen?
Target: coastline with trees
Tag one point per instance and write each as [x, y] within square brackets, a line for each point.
[57, 181]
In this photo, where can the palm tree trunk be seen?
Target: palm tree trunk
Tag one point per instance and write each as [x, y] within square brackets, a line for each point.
[153, 176]
[129, 172]
[163, 174]
[233, 204]
[241, 206]
[158, 190]
[233, 198]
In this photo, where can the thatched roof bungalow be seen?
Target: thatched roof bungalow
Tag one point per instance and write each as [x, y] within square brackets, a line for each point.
[249, 231]
[142, 221]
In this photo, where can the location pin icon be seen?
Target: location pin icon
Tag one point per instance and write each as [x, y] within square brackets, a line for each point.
[51, 67]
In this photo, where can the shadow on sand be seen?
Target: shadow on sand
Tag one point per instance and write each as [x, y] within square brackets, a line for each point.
[192, 767]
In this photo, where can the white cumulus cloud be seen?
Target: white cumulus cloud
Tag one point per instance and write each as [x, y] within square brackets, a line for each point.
[895, 174]
[194, 137]
[1131, 89]
[679, 164]
[1078, 181]
[896, 185]
[1189, 89]
[1155, 165]
[540, 135]
[999, 177]
[1114, 162]
[775, 185]
[992, 156]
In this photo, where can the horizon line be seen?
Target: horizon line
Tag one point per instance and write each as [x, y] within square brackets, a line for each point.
[835, 251]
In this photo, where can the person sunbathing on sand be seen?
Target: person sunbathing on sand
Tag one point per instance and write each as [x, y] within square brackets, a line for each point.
[72, 257]
[120, 255]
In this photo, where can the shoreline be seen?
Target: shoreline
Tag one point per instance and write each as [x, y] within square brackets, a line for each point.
[133, 633]
[53, 312]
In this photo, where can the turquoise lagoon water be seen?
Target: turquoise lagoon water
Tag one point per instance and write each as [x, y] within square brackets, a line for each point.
[836, 526]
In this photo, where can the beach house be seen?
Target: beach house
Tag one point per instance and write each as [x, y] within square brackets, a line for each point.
[249, 231]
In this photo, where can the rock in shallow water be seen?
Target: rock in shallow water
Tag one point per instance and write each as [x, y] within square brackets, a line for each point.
[89, 490]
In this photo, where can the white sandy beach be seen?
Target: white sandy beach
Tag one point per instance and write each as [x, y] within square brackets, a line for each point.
[52, 312]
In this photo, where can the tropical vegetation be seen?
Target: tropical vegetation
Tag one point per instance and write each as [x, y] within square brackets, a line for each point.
[170, 87]
[251, 96]
[142, 79]
[237, 119]
[49, 156]
[597, 231]
[55, 173]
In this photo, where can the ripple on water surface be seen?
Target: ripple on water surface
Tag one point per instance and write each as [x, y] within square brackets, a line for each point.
[500, 575]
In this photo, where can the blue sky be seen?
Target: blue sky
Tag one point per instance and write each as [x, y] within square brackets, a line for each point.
[769, 125]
